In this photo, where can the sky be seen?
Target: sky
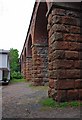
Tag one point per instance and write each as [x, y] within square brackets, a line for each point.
[15, 17]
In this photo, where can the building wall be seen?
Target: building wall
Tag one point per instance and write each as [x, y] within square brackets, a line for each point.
[3, 60]
[0, 74]
[4, 64]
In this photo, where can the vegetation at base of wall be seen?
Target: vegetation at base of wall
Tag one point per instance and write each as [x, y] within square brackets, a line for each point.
[49, 102]
[16, 75]
[17, 80]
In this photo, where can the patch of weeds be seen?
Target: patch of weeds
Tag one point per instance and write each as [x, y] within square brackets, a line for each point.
[81, 103]
[63, 104]
[49, 102]
[74, 104]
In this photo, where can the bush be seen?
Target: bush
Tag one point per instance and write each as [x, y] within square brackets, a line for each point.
[16, 75]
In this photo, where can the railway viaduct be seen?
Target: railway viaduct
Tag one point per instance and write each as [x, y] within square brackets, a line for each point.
[51, 53]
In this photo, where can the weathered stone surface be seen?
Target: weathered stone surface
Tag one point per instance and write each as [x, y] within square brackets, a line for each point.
[58, 11]
[51, 84]
[57, 54]
[61, 28]
[64, 45]
[80, 94]
[75, 73]
[63, 64]
[52, 92]
[74, 29]
[56, 19]
[65, 84]
[56, 50]
[55, 37]
[70, 21]
[72, 13]
[73, 94]
[61, 96]
[72, 37]
[78, 84]
[40, 65]
[29, 69]
[50, 18]
[71, 55]
[65, 55]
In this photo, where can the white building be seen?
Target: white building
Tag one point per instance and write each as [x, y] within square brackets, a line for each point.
[4, 65]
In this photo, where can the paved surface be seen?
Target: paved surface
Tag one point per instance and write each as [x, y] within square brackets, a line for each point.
[21, 101]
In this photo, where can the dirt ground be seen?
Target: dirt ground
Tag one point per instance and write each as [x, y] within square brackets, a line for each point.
[20, 100]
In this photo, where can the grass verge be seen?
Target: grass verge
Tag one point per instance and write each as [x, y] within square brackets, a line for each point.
[49, 102]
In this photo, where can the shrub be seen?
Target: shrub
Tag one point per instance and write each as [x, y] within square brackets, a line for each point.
[16, 75]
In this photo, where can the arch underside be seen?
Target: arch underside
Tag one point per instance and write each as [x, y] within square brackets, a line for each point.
[40, 47]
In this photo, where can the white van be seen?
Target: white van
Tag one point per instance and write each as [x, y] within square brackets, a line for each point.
[4, 66]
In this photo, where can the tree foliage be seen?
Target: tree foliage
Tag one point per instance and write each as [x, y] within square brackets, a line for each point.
[14, 60]
[14, 63]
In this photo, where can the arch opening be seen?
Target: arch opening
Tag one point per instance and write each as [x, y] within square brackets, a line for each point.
[29, 49]
[40, 33]
[40, 48]
[29, 59]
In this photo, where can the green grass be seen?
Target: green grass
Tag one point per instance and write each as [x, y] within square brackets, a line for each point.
[17, 80]
[49, 102]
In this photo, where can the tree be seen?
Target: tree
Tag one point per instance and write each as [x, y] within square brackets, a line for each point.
[14, 62]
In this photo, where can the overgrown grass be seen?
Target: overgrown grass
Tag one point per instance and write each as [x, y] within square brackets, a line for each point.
[17, 80]
[49, 102]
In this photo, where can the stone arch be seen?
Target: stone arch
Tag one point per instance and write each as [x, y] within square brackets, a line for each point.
[29, 45]
[40, 46]
[29, 59]
[25, 54]
[24, 62]
[40, 31]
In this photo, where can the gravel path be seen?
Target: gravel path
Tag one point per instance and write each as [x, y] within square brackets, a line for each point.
[21, 101]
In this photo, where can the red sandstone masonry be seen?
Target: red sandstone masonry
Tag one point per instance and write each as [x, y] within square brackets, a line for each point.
[61, 95]
[73, 94]
[78, 84]
[29, 69]
[67, 84]
[63, 45]
[80, 94]
[40, 67]
[61, 61]
[72, 37]
[24, 69]
[64, 54]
